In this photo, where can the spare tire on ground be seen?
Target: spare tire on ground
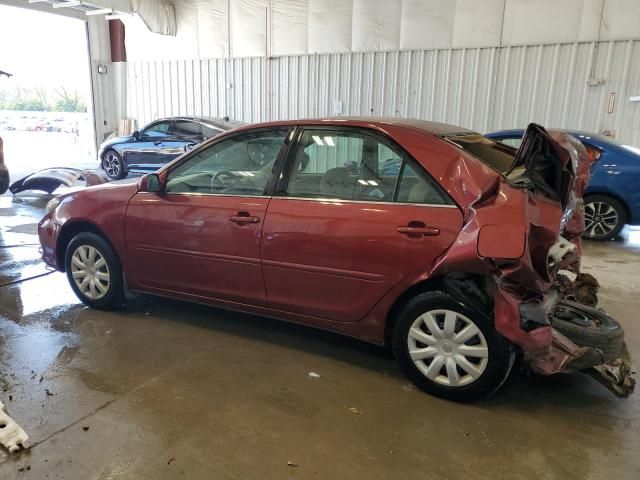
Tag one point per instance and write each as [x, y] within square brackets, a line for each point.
[589, 327]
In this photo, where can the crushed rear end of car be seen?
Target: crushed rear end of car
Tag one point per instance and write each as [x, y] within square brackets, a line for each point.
[521, 229]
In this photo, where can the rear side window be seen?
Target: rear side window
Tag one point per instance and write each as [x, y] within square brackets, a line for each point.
[416, 187]
[497, 156]
[356, 166]
[511, 142]
[208, 132]
[186, 129]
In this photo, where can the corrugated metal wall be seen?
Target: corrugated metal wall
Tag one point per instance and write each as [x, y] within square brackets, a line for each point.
[482, 88]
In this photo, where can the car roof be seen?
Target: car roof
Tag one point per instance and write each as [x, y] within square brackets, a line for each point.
[222, 123]
[434, 128]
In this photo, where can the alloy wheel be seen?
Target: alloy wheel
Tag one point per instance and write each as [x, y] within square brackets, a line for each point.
[448, 348]
[112, 164]
[600, 219]
[90, 272]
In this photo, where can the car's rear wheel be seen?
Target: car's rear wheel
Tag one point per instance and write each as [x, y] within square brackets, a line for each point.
[94, 271]
[449, 350]
[604, 217]
[113, 166]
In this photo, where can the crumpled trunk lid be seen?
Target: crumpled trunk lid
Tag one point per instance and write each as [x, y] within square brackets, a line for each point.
[544, 162]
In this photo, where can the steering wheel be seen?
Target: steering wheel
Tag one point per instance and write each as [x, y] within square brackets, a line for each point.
[223, 173]
[219, 179]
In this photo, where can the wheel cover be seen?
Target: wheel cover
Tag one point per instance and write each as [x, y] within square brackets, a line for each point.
[90, 272]
[112, 164]
[448, 348]
[600, 219]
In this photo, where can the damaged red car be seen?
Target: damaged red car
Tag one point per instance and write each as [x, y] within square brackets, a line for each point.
[423, 236]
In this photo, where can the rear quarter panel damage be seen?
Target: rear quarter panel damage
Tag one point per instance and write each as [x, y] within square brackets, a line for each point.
[507, 234]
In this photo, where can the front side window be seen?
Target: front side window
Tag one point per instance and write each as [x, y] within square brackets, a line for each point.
[357, 166]
[156, 130]
[239, 165]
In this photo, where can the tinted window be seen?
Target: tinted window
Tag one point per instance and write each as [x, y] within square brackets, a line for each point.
[416, 187]
[492, 153]
[511, 142]
[236, 166]
[208, 132]
[156, 129]
[186, 129]
[354, 166]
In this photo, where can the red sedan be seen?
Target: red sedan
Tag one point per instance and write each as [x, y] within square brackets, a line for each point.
[421, 235]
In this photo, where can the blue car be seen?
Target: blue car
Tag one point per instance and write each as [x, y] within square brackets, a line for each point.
[158, 143]
[612, 198]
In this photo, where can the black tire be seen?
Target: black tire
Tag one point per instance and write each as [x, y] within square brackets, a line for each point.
[597, 227]
[113, 297]
[589, 327]
[113, 165]
[498, 363]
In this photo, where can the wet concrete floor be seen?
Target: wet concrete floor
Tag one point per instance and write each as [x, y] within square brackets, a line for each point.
[165, 390]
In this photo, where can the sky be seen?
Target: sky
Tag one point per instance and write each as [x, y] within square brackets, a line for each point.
[43, 49]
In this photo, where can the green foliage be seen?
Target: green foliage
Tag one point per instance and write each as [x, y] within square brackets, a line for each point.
[69, 101]
[38, 99]
[30, 105]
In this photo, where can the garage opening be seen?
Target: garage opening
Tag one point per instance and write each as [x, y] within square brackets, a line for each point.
[45, 96]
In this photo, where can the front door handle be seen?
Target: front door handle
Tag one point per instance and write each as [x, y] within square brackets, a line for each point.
[157, 142]
[243, 218]
[418, 230]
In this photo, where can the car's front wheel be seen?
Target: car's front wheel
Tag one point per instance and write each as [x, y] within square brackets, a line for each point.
[113, 166]
[448, 350]
[604, 217]
[94, 271]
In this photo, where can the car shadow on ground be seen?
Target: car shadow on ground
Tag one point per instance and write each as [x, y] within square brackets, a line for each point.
[574, 390]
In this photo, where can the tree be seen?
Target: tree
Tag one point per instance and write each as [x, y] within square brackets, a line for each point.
[69, 101]
[25, 100]
[42, 94]
[4, 100]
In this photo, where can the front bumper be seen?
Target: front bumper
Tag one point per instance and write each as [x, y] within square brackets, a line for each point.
[48, 230]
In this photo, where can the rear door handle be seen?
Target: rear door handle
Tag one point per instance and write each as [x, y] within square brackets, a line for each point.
[243, 218]
[417, 230]
[157, 142]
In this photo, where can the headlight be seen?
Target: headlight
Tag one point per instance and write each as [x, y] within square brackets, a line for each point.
[52, 205]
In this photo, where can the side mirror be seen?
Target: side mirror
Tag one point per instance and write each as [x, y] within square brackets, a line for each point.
[150, 183]
[136, 134]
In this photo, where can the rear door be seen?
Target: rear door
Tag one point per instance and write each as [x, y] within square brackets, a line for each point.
[183, 135]
[352, 216]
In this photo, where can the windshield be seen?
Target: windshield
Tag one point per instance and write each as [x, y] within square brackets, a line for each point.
[498, 156]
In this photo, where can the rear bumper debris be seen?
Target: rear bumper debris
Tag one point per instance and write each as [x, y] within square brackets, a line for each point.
[616, 375]
[565, 356]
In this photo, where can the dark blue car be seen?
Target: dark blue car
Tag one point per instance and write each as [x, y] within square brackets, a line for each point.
[158, 143]
[613, 196]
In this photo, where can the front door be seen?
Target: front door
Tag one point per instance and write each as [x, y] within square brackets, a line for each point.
[148, 144]
[354, 218]
[201, 236]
